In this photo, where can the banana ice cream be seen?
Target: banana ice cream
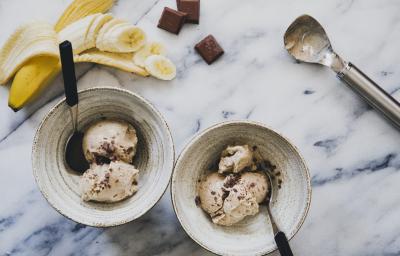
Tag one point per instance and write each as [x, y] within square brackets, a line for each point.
[235, 159]
[256, 183]
[109, 146]
[110, 140]
[231, 194]
[239, 203]
[109, 182]
[212, 194]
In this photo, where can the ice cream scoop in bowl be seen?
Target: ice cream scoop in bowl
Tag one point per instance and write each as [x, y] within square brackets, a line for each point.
[252, 235]
[154, 156]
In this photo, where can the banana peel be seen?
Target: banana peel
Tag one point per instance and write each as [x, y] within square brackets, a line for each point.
[31, 79]
[39, 71]
[79, 9]
[37, 38]
[122, 61]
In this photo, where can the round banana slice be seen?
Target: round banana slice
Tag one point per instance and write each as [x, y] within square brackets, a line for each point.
[152, 48]
[160, 67]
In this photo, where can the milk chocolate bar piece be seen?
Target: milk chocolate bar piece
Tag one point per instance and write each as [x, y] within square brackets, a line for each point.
[192, 8]
[209, 49]
[171, 20]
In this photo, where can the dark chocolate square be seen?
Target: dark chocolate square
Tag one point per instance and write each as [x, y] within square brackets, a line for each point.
[192, 8]
[209, 49]
[172, 20]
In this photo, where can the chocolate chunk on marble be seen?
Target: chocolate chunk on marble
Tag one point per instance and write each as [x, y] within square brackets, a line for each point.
[171, 20]
[209, 49]
[192, 8]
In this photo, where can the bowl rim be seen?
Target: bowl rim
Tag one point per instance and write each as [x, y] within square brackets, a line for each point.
[119, 90]
[196, 137]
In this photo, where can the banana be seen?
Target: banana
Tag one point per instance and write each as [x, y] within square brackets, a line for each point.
[34, 39]
[160, 67]
[83, 33]
[79, 9]
[152, 48]
[121, 61]
[31, 79]
[120, 36]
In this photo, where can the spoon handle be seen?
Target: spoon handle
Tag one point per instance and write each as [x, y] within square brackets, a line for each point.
[283, 244]
[371, 92]
[68, 71]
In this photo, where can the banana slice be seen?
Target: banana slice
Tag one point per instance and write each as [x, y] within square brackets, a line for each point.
[121, 61]
[160, 67]
[152, 48]
[106, 27]
[94, 29]
[34, 39]
[120, 36]
[83, 33]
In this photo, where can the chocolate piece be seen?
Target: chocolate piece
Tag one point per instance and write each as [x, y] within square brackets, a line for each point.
[209, 49]
[171, 20]
[192, 8]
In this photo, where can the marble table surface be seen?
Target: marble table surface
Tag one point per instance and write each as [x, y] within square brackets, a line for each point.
[353, 154]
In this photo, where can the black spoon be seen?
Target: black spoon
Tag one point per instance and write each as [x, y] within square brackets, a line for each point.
[280, 237]
[73, 152]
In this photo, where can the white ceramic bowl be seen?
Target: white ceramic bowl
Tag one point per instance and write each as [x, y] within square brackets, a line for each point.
[154, 157]
[252, 236]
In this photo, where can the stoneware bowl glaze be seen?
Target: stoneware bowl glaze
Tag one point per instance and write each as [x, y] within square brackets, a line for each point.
[252, 236]
[154, 158]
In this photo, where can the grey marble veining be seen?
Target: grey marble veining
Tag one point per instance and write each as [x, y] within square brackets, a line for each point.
[353, 154]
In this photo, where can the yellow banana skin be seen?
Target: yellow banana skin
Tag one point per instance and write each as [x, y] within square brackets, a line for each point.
[38, 72]
[31, 79]
[79, 9]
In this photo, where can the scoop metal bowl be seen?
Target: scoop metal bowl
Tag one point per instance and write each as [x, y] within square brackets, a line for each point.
[307, 41]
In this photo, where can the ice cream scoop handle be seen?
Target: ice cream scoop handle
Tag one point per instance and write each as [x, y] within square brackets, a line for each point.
[283, 244]
[371, 92]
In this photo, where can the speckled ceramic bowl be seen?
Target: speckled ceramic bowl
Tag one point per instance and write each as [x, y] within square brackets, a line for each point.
[253, 235]
[154, 158]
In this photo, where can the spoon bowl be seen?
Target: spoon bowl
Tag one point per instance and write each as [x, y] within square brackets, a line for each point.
[306, 40]
[74, 155]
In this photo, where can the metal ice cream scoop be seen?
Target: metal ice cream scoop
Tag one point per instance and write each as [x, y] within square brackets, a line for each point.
[306, 41]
